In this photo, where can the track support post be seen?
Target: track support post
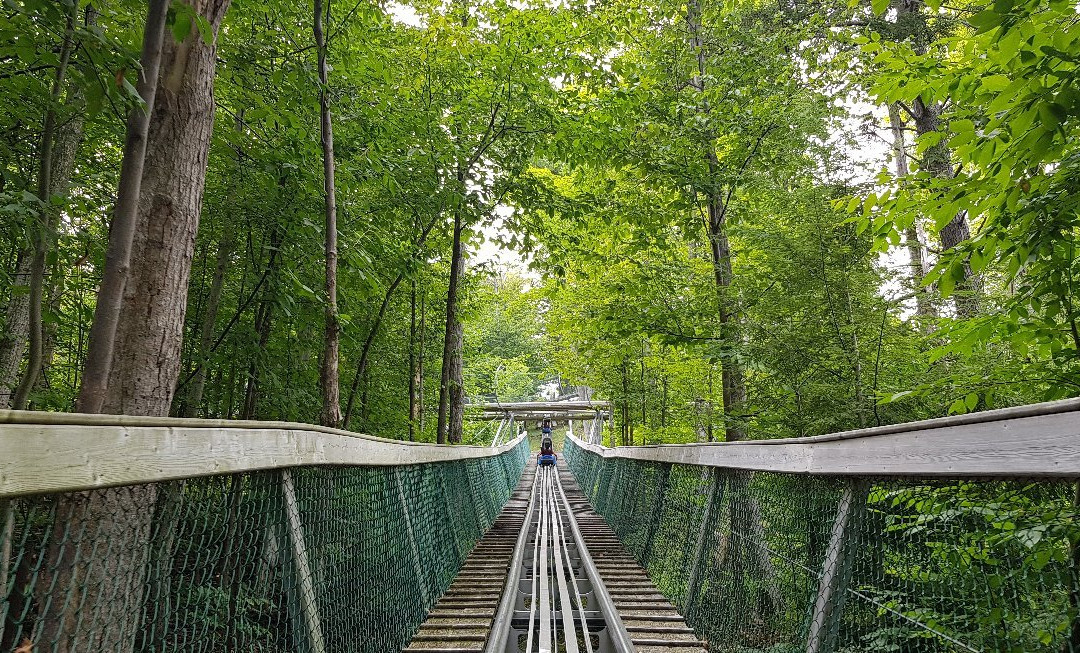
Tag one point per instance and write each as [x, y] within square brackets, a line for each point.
[836, 568]
[309, 610]
[708, 526]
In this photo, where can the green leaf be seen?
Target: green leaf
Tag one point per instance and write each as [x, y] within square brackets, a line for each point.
[985, 20]
[995, 83]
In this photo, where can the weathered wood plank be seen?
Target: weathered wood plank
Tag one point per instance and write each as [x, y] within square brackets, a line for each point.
[49, 456]
[1041, 440]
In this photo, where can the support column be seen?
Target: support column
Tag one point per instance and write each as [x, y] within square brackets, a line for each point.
[836, 568]
[308, 609]
[418, 566]
[708, 527]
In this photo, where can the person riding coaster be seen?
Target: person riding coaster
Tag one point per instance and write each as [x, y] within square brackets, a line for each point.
[546, 456]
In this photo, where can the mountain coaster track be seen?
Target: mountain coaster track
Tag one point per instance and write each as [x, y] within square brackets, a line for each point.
[561, 582]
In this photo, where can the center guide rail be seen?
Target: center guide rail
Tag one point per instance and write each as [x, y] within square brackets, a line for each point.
[554, 599]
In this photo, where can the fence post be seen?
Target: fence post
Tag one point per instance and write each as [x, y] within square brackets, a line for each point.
[411, 534]
[836, 568]
[664, 476]
[708, 525]
[308, 609]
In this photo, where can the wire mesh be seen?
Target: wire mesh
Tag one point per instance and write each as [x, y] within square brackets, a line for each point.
[307, 559]
[783, 562]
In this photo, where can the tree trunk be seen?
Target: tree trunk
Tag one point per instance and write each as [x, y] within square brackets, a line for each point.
[143, 360]
[45, 229]
[450, 345]
[457, 386]
[16, 328]
[731, 374]
[745, 514]
[365, 350]
[68, 138]
[209, 318]
[263, 317]
[915, 246]
[415, 377]
[103, 331]
[937, 160]
[328, 376]
[421, 351]
[663, 401]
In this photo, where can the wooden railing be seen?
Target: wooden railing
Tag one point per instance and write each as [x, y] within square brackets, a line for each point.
[55, 452]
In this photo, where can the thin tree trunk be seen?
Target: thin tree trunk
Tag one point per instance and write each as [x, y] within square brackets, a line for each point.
[328, 376]
[449, 341]
[110, 297]
[644, 393]
[142, 361]
[45, 230]
[209, 319]
[16, 328]
[414, 381]
[663, 401]
[915, 246]
[421, 351]
[262, 327]
[457, 387]
[365, 351]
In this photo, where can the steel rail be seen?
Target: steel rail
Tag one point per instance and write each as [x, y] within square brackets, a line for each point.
[544, 596]
[566, 610]
[620, 637]
[500, 624]
[564, 547]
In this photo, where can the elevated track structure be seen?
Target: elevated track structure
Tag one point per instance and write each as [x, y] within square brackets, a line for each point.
[145, 534]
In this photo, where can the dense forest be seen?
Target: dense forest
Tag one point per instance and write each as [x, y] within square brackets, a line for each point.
[734, 219]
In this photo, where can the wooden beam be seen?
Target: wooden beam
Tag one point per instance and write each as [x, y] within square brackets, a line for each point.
[1041, 440]
[543, 405]
[533, 415]
[48, 455]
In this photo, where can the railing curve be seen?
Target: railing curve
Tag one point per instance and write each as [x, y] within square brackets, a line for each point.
[130, 534]
[955, 534]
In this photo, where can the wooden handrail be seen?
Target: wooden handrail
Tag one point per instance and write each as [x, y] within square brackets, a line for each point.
[62, 452]
[1039, 440]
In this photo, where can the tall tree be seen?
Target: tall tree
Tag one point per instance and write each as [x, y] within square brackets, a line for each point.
[142, 362]
[45, 228]
[328, 374]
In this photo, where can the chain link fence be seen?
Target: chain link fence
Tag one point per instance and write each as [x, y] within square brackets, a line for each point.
[783, 562]
[309, 559]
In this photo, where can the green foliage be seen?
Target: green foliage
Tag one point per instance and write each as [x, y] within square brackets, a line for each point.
[1009, 88]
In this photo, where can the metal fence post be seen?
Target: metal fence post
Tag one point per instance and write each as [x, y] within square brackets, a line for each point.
[664, 476]
[308, 608]
[411, 535]
[708, 525]
[836, 568]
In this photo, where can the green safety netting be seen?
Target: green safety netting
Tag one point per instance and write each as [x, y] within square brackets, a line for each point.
[782, 562]
[303, 559]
